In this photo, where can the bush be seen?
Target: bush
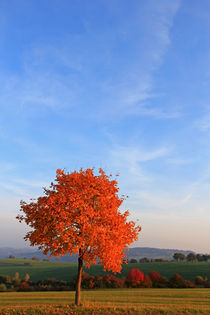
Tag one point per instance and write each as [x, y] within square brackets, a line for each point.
[24, 286]
[88, 281]
[5, 279]
[147, 283]
[27, 277]
[158, 281]
[199, 280]
[189, 284]
[3, 287]
[35, 258]
[177, 281]
[135, 278]
[111, 281]
[154, 276]
[135, 275]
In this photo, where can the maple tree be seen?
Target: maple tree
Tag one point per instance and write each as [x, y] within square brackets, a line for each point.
[79, 213]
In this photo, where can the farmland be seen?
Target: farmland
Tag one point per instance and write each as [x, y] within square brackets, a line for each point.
[110, 301]
[66, 271]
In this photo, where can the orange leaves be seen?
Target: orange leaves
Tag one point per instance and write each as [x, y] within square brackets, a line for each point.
[81, 211]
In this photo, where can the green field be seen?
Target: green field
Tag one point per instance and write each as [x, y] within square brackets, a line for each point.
[66, 271]
[136, 301]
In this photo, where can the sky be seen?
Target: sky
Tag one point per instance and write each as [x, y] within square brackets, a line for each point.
[122, 85]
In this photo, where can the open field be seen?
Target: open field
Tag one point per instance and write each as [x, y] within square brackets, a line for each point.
[111, 301]
[66, 271]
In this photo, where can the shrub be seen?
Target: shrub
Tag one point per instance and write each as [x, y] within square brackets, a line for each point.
[147, 283]
[154, 276]
[135, 278]
[111, 281]
[27, 277]
[177, 281]
[88, 281]
[199, 280]
[207, 283]
[24, 286]
[99, 282]
[189, 284]
[3, 287]
[158, 281]
[135, 275]
[35, 258]
[5, 279]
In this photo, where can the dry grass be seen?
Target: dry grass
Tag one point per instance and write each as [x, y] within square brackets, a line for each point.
[113, 301]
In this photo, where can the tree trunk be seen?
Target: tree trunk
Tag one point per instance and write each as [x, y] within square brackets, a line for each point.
[79, 278]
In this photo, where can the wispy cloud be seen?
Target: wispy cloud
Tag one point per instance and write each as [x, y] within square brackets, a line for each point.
[130, 160]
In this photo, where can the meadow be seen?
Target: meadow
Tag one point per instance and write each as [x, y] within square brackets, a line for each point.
[66, 271]
[109, 301]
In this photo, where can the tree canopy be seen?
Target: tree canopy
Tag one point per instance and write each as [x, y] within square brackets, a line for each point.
[80, 213]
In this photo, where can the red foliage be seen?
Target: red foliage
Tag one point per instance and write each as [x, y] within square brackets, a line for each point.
[155, 276]
[135, 275]
[24, 285]
[147, 283]
[80, 214]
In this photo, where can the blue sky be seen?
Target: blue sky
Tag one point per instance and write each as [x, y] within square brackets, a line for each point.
[122, 85]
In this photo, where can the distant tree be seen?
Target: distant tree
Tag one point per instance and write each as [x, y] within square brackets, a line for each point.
[144, 260]
[191, 257]
[133, 261]
[80, 214]
[179, 256]
[35, 258]
[11, 257]
[199, 257]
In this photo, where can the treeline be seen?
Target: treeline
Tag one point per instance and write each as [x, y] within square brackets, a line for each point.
[191, 257]
[177, 257]
[135, 279]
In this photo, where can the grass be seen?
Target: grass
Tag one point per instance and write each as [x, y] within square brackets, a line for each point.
[66, 271]
[110, 301]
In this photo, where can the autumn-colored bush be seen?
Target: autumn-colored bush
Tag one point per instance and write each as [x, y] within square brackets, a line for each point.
[5, 279]
[135, 278]
[111, 281]
[147, 283]
[3, 287]
[177, 281]
[154, 276]
[189, 284]
[158, 281]
[35, 258]
[88, 281]
[135, 275]
[24, 286]
[199, 280]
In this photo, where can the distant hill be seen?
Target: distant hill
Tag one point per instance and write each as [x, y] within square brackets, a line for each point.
[167, 254]
[136, 252]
